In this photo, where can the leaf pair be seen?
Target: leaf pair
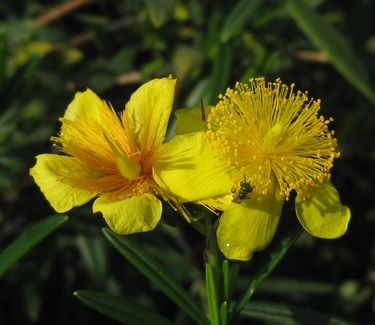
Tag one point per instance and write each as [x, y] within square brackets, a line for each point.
[126, 312]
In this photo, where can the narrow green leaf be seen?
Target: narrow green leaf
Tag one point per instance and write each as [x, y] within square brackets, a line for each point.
[212, 296]
[21, 79]
[230, 271]
[224, 313]
[221, 71]
[237, 18]
[27, 240]
[338, 51]
[32, 301]
[120, 309]
[289, 314]
[18, 82]
[159, 11]
[150, 268]
[212, 35]
[274, 259]
[3, 51]
[94, 254]
[225, 268]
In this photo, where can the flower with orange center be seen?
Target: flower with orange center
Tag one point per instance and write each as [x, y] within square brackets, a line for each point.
[122, 159]
[274, 143]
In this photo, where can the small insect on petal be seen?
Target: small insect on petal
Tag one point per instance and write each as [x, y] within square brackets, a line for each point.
[243, 192]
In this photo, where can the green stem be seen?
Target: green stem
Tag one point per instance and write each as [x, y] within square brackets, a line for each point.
[212, 296]
[275, 258]
[213, 274]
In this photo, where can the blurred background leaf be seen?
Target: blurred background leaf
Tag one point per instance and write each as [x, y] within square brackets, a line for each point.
[160, 277]
[159, 11]
[120, 309]
[27, 240]
[239, 15]
[337, 49]
[273, 313]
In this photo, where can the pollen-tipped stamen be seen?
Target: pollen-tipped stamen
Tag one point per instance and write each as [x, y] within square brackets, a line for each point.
[275, 134]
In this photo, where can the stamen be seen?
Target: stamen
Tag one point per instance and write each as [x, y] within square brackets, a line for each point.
[272, 132]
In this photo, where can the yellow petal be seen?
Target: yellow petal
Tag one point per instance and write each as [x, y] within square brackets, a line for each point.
[148, 111]
[92, 132]
[188, 169]
[323, 215]
[85, 105]
[136, 214]
[190, 120]
[85, 120]
[48, 174]
[248, 226]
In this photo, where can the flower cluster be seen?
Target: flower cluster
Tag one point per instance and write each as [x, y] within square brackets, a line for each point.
[261, 143]
[121, 160]
[273, 138]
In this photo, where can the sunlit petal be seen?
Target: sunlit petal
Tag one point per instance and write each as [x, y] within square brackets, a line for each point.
[136, 214]
[188, 169]
[323, 215]
[248, 226]
[86, 105]
[50, 173]
[86, 126]
[148, 110]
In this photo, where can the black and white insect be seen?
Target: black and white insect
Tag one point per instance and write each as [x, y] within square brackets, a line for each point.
[243, 192]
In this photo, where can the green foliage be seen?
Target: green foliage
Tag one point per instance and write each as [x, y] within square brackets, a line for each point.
[264, 272]
[151, 269]
[237, 18]
[334, 45]
[119, 309]
[212, 295]
[27, 240]
[289, 315]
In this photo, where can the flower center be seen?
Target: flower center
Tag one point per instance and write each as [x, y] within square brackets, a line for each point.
[111, 161]
[273, 138]
[269, 133]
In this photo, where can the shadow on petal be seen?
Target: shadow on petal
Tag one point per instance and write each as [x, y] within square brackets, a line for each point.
[323, 215]
[249, 226]
[135, 214]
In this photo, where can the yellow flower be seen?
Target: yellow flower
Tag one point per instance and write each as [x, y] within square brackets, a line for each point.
[121, 160]
[275, 143]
